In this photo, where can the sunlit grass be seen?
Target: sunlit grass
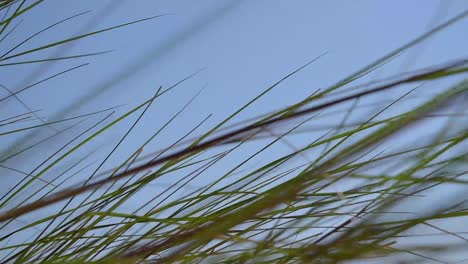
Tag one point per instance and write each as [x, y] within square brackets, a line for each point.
[345, 191]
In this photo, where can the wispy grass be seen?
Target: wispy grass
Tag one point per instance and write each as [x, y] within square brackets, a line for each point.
[346, 191]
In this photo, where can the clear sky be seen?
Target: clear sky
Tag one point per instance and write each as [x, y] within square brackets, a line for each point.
[241, 46]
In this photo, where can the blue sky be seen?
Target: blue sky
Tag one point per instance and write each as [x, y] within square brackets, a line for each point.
[244, 46]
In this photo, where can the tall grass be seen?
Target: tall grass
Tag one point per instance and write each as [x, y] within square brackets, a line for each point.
[349, 194]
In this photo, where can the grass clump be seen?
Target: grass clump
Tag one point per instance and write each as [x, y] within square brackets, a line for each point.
[343, 191]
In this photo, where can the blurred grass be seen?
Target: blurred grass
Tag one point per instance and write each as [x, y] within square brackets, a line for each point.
[340, 197]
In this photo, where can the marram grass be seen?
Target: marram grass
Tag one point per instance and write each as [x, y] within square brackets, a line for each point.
[343, 196]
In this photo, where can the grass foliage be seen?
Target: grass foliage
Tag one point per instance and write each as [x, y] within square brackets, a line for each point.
[349, 194]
